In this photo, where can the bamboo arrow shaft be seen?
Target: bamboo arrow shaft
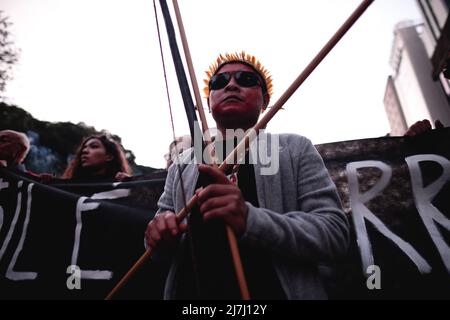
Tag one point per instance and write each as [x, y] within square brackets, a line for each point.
[140, 262]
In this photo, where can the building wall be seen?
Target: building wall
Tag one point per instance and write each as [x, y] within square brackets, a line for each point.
[394, 110]
[425, 96]
[435, 13]
[436, 36]
[419, 95]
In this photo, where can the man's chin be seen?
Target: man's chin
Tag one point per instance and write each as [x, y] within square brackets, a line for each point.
[234, 125]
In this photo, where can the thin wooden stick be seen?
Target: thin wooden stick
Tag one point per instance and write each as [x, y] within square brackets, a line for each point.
[129, 274]
[190, 65]
[180, 216]
[275, 108]
[262, 123]
[240, 275]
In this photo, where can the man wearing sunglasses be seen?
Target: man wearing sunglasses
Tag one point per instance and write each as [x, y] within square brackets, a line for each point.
[286, 223]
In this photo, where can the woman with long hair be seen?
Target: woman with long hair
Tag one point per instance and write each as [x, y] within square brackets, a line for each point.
[100, 158]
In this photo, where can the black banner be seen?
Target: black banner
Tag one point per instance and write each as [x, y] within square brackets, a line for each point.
[397, 193]
[75, 241]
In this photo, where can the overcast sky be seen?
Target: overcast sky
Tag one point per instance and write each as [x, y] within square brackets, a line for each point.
[98, 61]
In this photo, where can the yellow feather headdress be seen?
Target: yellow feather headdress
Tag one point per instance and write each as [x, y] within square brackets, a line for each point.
[238, 57]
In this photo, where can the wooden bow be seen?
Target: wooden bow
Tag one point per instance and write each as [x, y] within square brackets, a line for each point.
[251, 134]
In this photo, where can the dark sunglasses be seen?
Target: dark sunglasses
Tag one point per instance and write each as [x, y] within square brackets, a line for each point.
[245, 79]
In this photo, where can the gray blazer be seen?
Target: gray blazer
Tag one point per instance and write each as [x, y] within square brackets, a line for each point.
[299, 223]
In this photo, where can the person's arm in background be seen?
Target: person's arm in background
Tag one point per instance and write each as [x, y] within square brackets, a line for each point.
[422, 126]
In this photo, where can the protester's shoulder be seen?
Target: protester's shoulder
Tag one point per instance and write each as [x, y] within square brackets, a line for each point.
[293, 141]
[294, 138]
[184, 160]
[187, 158]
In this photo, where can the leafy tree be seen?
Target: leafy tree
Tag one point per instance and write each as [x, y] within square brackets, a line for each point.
[8, 52]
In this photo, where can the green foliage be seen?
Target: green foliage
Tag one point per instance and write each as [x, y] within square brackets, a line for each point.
[62, 138]
[8, 53]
